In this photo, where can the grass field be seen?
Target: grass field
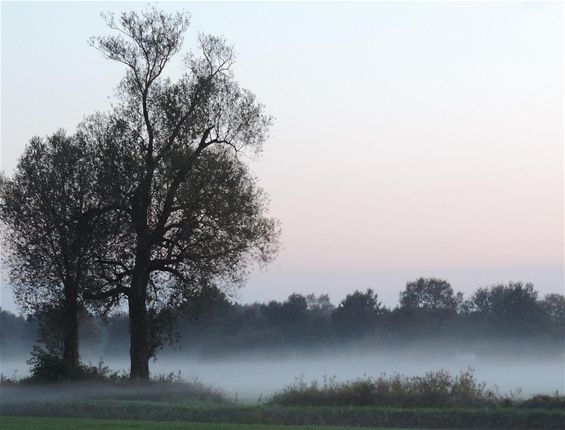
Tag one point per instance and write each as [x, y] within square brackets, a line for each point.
[152, 415]
[35, 423]
[183, 406]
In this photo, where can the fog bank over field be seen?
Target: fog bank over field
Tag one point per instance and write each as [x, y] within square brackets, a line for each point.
[251, 376]
[254, 375]
[510, 336]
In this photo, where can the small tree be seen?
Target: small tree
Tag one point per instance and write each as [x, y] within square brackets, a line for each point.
[190, 213]
[50, 212]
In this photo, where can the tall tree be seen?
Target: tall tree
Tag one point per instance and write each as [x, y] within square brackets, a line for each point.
[50, 211]
[169, 152]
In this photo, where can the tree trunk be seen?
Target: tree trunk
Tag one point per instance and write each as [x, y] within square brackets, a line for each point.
[139, 357]
[70, 329]
[138, 321]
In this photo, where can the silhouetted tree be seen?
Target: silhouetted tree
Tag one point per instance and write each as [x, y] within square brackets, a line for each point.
[295, 307]
[554, 307]
[50, 211]
[212, 324]
[288, 317]
[17, 334]
[512, 309]
[357, 314]
[3, 181]
[430, 294]
[295, 318]
[194, 216]
[428, 306]
[320, 304]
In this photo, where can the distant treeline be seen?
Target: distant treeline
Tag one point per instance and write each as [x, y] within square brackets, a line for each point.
[428, 310]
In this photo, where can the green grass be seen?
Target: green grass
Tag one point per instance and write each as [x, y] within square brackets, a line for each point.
[36, 423]
[224, 417]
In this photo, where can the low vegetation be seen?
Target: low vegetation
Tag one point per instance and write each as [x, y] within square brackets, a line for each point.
[434, 389]
[50, 378]
[437, 389]
[545, 402]
[46, 367]
[434, 400]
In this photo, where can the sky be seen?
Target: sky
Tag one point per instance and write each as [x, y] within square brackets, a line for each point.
[410, 139]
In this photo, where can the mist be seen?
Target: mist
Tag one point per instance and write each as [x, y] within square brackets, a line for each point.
[511, 369]
[251, 376]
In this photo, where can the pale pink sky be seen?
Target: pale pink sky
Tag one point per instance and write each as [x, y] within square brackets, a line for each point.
[410, 138]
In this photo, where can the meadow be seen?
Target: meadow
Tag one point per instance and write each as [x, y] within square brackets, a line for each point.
[18, 423]
[190, 405]
[146, 415]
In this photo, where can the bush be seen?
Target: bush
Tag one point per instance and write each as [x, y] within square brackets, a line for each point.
[98, 382]
[546, 402]
[171, 388]
[47, 367]
[434, 389]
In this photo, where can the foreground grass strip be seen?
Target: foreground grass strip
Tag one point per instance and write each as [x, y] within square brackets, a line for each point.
[45, 423]
[373, 417]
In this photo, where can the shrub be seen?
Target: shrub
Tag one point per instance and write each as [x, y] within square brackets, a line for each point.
[547, 402]
[47, 367]
[98, 382]
[434, 389]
